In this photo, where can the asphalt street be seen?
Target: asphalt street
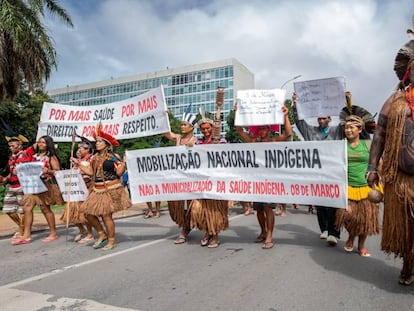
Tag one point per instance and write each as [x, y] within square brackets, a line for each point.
[146, 271]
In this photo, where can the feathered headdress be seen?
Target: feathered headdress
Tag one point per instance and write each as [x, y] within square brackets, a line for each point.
[351, 109]
[11, 135]
[189, 117]
[85, 142]
[204, 119]
[403, 58]
[105, 136]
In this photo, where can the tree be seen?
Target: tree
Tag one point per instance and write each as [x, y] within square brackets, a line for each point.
[231, 135]
[27, 53]
[22, 114]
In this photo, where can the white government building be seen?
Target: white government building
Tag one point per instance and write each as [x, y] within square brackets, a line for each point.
[194, 84]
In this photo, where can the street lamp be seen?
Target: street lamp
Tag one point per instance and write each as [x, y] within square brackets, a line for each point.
[286, 82]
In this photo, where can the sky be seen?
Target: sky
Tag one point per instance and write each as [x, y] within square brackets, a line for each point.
[275, 40]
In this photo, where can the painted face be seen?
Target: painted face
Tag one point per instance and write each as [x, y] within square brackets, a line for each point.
[352, 131]
[324, 122]
[206, 129]
[15, 147]
[186, 127]
[82, 151]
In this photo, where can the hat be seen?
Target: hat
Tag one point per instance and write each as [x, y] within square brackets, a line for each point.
[108, 138]
[254, 129]
[189, 118]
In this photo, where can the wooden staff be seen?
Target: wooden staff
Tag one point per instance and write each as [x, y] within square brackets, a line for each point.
[72, 148]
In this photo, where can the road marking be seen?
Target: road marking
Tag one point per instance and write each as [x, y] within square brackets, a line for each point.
[91, 261]
[15, 299]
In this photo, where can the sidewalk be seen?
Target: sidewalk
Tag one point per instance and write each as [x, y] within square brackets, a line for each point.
[8, 227]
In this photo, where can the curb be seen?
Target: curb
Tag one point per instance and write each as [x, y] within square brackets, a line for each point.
[6, 234]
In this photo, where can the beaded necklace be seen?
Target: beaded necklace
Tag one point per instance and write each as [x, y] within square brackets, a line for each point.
[100, 159]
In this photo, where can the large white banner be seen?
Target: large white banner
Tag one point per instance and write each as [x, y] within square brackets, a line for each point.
[29, 177]
[71, 185]
[260, 107]
[320, 98]
[138, 116]
[311, 172]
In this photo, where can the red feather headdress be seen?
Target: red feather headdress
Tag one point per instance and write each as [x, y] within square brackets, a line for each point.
[100, 133]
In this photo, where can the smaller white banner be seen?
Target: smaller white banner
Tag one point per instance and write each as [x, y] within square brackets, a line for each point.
[71, 185]
[260, 107]
[29, 176]
[320, 98]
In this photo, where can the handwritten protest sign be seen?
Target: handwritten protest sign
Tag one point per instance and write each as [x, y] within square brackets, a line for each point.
[283, 172]
[29, 176]
[320, 98]
[138, 116]
[260, 107]
[71, 185]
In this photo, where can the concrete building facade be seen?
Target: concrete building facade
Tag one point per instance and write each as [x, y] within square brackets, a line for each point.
[193, 84]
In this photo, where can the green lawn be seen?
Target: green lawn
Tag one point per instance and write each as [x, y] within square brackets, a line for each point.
[58, 209]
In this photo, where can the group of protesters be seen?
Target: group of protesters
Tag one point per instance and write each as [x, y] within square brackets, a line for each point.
[101, 172]
[391, 146]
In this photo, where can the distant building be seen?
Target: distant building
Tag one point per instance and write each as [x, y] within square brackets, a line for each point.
[193, 84]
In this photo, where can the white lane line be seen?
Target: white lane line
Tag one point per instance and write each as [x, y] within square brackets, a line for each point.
[84, 263]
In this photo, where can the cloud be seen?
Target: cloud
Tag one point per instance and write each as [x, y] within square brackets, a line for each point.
[276, 40]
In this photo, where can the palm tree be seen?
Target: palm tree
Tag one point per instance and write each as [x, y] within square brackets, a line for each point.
[27, 54]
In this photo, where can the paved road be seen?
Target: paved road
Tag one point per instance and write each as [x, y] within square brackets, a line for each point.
[146, 271]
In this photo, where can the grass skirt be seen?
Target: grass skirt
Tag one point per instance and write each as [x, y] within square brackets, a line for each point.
[109, 201]
[210, 216]
[51, 197]
[179, 214]
[73, 213]
[398, 223]
[361, 217]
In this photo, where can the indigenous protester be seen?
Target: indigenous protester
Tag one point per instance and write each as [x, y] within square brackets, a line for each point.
[326, 215]
[247, 208]
[210, 216]
[12, 201]
[73, 212]
[107, 195]
[43, 151]
[393, 141]
[265, 215]
[361, 218]
[149, 213]
[180, 211]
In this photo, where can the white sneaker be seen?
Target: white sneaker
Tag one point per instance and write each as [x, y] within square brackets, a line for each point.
[324, 235]
[331, 240]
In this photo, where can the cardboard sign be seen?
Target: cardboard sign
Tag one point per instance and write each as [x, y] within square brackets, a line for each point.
[260, 107]
[320, 98]
[71, 185]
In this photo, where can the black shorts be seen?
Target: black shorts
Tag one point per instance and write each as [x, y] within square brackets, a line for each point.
[262, 205]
